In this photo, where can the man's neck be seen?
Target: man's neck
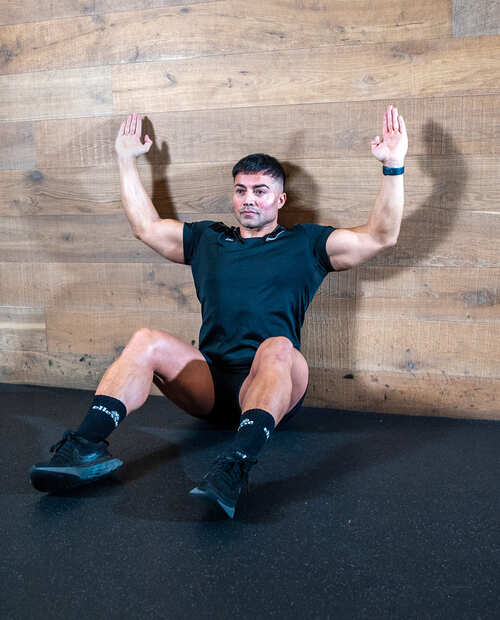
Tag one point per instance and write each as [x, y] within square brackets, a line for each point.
[248, 233]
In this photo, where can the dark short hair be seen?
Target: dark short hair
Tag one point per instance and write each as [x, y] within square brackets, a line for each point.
[260, 162]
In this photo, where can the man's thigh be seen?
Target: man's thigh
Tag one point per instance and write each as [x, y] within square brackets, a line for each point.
[182, 374]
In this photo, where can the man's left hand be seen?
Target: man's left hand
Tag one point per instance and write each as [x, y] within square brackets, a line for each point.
[391, 149]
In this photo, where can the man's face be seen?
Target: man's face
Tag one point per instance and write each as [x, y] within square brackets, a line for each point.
[257, 199]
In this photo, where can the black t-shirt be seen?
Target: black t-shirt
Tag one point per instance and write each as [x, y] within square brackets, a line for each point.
[253, 289]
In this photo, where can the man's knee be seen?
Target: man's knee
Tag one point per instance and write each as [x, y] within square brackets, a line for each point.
[278, 349]
[145, 342]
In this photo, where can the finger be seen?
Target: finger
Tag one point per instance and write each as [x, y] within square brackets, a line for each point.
[122, 129]
[389, 119]
[386, 127]
[133, 124]
[376, 140]
[402, 125]
[148, 142]
[138, 130]
[395, 124]
[127, 126]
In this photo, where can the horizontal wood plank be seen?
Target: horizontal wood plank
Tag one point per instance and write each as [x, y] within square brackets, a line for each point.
[22, 329]
[420, 293]
[101, 332]
[25, 11]
[448, 126]
[403, 345]
[369, 292]
[55, 94]
[327, 74]
[446, 183]
[429, 236]
[110, 286]
[424, 394]
[60, 370]
[212, 28]
[477, 19]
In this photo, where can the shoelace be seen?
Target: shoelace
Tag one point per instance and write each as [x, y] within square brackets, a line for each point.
[68, 436]
[233, 469]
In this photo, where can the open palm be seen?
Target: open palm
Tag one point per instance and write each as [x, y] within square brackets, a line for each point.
[128, 143]
[391, 149]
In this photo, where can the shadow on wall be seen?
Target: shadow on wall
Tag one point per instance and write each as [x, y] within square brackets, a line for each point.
[428, 227]
[424, 238]
[159, 159]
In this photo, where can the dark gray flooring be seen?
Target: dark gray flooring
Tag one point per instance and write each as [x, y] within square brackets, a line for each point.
[349, 516]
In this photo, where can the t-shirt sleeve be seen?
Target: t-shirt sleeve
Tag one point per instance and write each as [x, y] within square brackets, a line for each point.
[318, 236]
[191, 235]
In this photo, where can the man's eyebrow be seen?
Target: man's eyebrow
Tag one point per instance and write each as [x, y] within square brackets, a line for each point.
[254, 186]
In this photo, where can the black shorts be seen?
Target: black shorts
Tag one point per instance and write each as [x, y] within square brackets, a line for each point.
[227, 384]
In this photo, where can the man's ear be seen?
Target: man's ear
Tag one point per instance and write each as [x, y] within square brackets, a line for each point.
[282, 200]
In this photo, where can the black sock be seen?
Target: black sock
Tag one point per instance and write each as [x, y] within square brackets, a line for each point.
[255, 428]
[103, 417]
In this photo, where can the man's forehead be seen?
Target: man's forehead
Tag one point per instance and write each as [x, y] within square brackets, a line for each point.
[254, 178]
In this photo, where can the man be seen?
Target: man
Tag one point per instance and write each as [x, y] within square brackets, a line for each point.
[254, 283]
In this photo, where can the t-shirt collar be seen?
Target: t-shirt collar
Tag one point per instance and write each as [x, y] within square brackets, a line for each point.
[235, 230]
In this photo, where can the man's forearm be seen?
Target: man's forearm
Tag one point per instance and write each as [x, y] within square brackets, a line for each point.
[140, 211]
[385, 218]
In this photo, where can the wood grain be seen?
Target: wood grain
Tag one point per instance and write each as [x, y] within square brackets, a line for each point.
[331, 73]
[453, 125]
[315, 187]
[424, 394]
[26, 11]
[473, 19]
[415, 293]
[17, 146]
[112, 286]
[403, 345]
[101, 332]
[428, 237]
[22, 329]
[55, 94]
[210, 29]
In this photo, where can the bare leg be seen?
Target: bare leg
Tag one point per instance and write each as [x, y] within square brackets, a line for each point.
[184, 375]
[277, 380]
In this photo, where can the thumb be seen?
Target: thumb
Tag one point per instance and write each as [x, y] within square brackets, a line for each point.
[147, 142]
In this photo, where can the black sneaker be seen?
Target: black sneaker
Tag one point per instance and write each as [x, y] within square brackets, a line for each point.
[76, 461]
[224, 481]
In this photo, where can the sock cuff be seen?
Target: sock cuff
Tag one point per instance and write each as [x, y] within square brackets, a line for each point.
[110, 406]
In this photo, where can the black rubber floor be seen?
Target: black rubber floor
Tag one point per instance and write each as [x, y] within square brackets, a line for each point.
[349, 516]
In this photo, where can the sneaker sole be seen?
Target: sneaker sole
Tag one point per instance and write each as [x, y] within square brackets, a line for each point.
[213, 499]
[47, 479]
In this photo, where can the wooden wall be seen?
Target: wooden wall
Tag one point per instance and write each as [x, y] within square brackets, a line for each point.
[414, 331]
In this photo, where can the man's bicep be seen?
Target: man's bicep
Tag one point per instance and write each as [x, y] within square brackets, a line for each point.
[166, 238]
[349, 247]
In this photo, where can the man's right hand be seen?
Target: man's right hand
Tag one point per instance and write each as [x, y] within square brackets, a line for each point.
[128, 144]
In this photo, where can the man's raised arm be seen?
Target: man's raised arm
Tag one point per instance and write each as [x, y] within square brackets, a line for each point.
[348, 247]
[162, 235]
